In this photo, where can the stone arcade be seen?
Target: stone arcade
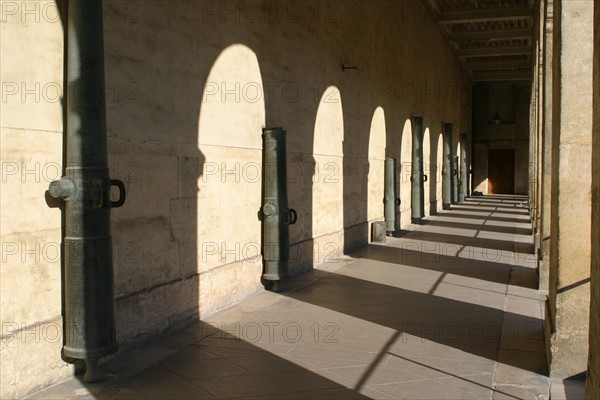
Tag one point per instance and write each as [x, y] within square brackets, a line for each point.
[467, 130]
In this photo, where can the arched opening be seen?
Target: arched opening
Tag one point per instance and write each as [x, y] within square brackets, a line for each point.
[229, 191]
[427, 170]
[405, 167]
[328, 184]
[457, 168]
[439, 169]
[377, 140]
[448, 181]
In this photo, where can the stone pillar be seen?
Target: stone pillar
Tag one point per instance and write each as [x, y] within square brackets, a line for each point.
[539, 125]
[592, 390]
[546, 150]
[533, 138]
[447, 168]
[570, 246]
[417, 174]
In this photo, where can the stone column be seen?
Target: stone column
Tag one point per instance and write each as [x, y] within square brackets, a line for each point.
[570, 247]
[533, 136]
[592, 390]
[546, 150]
[533, 133]
[541, 62]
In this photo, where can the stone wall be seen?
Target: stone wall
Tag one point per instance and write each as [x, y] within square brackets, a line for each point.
[189, 86]
[31, 152]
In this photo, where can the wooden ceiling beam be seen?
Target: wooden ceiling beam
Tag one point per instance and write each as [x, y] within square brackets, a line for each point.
[490, 35]
[494, 51]
[500, 64]
[495, 76]
[485, 15]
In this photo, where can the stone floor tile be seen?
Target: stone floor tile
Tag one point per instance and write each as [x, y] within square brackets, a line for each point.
[374, 393]
[223, 349]
[181, 339]
[275, 348]
[317, 363]
[522, 367]
[207, 368]
[277, 396]
[474, 384]
[298, 381]
[341, 394]
[190, 353]
[238, 386]
[264, 364]
[71, 388]
[427, 390]
[512, 392]
[431, 367]
[154, 383]
[376, 374]
[341, 354]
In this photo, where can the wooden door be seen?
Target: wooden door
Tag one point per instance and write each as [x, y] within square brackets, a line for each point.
[501, 171]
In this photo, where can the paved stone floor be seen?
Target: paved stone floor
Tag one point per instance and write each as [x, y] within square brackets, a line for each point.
[446, 310]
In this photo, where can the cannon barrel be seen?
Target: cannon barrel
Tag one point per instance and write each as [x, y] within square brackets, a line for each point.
[275, 214]
[89, 317]
[390, 199]
[417, 176]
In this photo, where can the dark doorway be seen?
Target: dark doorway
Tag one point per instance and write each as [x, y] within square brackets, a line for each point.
[501, 171]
